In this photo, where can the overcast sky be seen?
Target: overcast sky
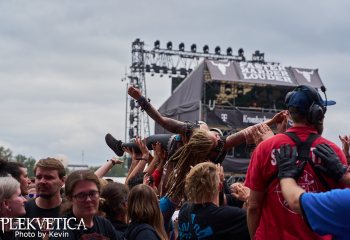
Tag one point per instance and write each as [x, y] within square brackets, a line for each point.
[61, 62]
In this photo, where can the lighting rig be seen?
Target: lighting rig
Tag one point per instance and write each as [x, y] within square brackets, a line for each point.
[177, 64]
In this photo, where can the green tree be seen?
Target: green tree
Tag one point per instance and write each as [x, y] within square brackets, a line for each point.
[5, 153]
[28, 162]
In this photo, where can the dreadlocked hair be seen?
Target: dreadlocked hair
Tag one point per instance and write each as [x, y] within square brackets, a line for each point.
[192, 153]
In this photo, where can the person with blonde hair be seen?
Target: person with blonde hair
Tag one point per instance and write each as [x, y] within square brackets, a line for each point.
[11, 204]
[202, 217]
[146, 220]
[195, 151]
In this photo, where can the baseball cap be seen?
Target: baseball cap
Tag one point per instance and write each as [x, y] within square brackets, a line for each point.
[303, 97]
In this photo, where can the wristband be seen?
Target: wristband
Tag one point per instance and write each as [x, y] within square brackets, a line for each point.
[144, 103]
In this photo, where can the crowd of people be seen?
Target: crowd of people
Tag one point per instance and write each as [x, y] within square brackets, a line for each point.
[295, 186]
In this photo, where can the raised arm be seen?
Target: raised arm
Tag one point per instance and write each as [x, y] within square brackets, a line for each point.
[104, 169]
[140, 161]
[258, 132]
[169, 124]
[345, 140]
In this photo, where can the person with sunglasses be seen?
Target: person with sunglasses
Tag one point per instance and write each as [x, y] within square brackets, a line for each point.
[82, 191]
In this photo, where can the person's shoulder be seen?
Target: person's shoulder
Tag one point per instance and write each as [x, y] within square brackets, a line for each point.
[101, 220]
[139, 231]
[230, 210]
[107, 228]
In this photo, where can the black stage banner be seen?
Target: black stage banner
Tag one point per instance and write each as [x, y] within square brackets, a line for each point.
[237, 118]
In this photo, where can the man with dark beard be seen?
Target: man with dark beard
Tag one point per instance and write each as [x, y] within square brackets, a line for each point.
[49, 179]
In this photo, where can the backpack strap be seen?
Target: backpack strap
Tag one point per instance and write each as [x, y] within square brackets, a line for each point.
[303, 149]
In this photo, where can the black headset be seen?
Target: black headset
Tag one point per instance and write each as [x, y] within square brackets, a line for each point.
[317, 110]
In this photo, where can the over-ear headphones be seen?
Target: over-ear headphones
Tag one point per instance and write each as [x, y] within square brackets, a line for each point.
[315, 113]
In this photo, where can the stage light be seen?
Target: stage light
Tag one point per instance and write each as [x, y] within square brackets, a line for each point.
[206, 49]
[182, 47]
[131, 133]
[193, 48]
[132, 104]
[217, 50]
[229, 51]
[258, 56]
[156, 44]
[183, 71]
[173, 70]
[240, 52]
[228, 90]
[131, 118]
[169, 45]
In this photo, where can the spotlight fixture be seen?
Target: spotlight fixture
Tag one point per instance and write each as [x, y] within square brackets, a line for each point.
[206, 49]
[131, 118]
[182, 47]
[228, 89]
[131, 133]
[132, 104]
[240, 52]
[169, 45]
[229, 51]
[217, 50]
[258, 56]
[193, 48]
[156, 44]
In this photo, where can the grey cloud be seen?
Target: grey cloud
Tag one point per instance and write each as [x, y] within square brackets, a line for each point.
[61, 62]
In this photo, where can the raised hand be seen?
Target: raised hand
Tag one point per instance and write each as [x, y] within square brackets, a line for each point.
[134, 92]
[286, 162]
[331, 164]
[261, 133]
[131, 152]
[239, 191]
[159, 152]
[345, 140]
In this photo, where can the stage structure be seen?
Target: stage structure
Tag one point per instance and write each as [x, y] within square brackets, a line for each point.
[176, 64]
[227, 92]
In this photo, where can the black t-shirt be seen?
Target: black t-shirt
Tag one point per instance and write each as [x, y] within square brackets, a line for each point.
[10, 235]
[119, 225]
[101, 230]
[141, 231]
[209, 221]
[33, 211]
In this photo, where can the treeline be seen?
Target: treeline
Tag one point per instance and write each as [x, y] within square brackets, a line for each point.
[29, 162]
[7, 154]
